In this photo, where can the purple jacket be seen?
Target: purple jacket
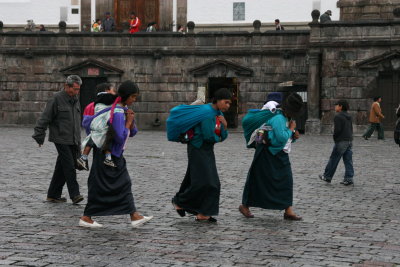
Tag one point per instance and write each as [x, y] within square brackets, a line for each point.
[121, 134]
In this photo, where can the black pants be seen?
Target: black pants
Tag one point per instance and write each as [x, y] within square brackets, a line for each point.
[64, 172]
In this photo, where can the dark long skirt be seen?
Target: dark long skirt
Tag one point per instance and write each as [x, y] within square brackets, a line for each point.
[269, 183]
[200, 189]
[109, 189]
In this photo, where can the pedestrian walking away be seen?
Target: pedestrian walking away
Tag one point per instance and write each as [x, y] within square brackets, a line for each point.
[199, 192]
[110, 189]
[343, 137]
[269, 183]
[375, 119]
[62, 116]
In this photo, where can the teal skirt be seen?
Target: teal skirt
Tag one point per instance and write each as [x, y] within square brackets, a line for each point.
[269, 183]
[200, 189]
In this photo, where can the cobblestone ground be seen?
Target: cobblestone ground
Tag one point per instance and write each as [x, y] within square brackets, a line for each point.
[356, 225]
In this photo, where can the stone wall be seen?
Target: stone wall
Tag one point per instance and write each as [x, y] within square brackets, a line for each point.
[168, 67]
[352, 55]
[353, 10]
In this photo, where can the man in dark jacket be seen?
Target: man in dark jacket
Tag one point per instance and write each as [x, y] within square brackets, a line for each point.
[326, 17]
[63, 117]
[108, 24]
[343, 137]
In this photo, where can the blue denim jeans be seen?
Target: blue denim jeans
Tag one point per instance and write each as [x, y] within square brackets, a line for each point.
[341, 149]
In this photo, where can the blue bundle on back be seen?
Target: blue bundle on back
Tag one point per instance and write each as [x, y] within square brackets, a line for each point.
[184, 117]
[253, 120]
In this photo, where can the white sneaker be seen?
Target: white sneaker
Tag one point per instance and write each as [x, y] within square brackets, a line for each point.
[138, 223]
[89, 225]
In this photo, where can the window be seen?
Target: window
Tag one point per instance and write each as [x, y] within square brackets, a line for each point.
[75, 10]
[238, 11]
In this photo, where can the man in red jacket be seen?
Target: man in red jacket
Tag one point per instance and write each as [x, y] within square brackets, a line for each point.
[134, 23]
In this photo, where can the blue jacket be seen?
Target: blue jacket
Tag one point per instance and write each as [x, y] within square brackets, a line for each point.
[280, 133]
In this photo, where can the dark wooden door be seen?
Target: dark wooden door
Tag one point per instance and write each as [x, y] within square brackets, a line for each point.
[214, 84]
[146, 10]
[389, 90]
[88, 90]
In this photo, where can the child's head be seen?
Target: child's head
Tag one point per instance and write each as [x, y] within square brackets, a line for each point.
[128, 91]
[106, 87]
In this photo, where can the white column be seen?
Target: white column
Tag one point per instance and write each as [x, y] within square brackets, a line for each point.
[92, 11]
[174, 15]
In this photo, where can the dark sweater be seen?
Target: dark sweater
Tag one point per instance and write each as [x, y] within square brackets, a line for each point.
[343, 127]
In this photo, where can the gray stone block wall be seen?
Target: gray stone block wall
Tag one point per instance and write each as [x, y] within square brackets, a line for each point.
[160, 64]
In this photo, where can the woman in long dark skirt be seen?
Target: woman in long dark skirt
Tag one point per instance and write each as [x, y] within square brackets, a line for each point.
[109, 188]
[269, 183]
[200, 190]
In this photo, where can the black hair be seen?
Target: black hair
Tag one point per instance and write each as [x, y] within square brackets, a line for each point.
[220, 94]
[151, 24]
[344, 104]
[277, 20]
[127, 89]
[377, 98]
[102, 87]
[293, 105]
[133, 13]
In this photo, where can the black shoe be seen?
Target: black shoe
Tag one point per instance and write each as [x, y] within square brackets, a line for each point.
[181, 212]
[365, 138]
[110, 163]
[56, 200]
[323, 178]
[83, 163]
[211, 220]
[77, 199]
[347, 183]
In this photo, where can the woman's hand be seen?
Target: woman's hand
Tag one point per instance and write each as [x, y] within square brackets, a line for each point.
[130, 117]
[296, 135]
[292, 125]
[223, 121]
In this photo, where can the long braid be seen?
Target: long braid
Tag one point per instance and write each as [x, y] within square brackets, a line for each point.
[117, 100]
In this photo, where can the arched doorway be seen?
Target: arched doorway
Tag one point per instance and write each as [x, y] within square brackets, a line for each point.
[388, 87]
[232, 85]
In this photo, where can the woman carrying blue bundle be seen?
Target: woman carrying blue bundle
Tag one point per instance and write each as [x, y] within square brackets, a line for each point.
[269, 183]
[200, 189]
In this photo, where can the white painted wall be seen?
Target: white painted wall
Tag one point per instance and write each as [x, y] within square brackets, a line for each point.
[41, 11]
[221, 11]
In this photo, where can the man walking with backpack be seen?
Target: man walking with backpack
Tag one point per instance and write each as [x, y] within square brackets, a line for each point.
[343, 137]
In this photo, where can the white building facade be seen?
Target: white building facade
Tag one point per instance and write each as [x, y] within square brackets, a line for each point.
[246, 11]
[210, 15]
[15, 13]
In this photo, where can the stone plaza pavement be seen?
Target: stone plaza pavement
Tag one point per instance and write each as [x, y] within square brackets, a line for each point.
[356, 225]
